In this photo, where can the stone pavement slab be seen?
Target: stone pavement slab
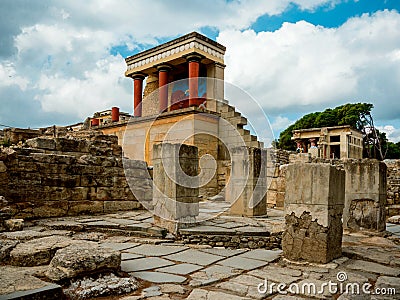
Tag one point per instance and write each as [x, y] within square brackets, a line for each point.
[224, 252]
[156, 250]
[121, 221]
[158, 277]
[372, 267]
[142, 264]
[180, 269]
[212, 274]
[102, 224]
[262, 254]
[391, 286]
[273, 274]
[202, 294]
[15, 284]
[129, 256]
[242, 263]
[195, 257]
[376, 254]
[394, 229]
[119, 246]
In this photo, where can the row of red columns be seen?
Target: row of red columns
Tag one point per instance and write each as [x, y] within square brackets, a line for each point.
[163, 70]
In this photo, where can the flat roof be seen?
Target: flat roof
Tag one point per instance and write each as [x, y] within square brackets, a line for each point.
[319, 129]
[193, 34]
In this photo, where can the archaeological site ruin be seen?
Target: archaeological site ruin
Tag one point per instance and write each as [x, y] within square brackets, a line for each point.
[179, 199]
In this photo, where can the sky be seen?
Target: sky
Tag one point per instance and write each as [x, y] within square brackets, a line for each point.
[60, 61]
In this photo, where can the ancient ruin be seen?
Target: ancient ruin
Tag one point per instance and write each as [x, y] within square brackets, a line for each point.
[179, 200]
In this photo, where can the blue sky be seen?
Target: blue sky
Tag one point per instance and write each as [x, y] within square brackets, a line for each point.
[61, 61]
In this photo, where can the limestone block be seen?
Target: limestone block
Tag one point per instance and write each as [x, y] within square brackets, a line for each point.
[247, 186]
[85, 207]
[365, 199]
[113, 206]
[79, 259]
[42, 143]
[175, 185]
[38, 251]
[314, 200]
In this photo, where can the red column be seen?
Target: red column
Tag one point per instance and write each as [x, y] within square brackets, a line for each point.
[95, 122]
[115, 114]
[194, 72]
[137, 94]
[163, 87]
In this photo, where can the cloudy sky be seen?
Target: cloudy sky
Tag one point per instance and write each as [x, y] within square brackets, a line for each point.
[60, 61]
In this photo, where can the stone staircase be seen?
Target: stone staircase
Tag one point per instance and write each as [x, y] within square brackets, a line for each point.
[238, 121]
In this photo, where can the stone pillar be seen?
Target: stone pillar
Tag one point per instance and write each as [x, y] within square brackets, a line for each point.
[163, 87]
[365, 195]
[247, 188]
[94, 122]
[314, 199]
[194, 72]
[175, 185]
[115, 114]
[137, 94]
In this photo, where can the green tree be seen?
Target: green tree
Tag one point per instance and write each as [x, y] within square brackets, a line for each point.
[347, 114]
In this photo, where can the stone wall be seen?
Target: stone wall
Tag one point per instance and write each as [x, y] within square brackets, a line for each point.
[266, 241]
[277, 160]
[393, 187]
[49, 177]
[365, 194]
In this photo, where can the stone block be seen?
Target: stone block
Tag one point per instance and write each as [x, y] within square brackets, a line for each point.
[314, 201]
[42, 143]
[175, 185]
[247, 187]
[366, 192]
[80, 259]
[85, 207]
[113, 206]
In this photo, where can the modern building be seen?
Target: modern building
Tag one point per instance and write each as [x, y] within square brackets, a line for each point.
[330, 142]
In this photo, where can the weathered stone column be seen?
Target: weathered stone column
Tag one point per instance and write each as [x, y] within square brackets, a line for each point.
[314, 200]
[175, 185]
[365, 195]
[163, 87]
[247, 187]
[137, 93]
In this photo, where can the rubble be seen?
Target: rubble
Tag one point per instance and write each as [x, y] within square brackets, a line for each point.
[83, 258]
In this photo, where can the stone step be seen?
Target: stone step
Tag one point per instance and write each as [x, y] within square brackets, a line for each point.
[255, 144]
[249, 138]
[244, 131]
[230, 114]
[224, 108]
[237, 120]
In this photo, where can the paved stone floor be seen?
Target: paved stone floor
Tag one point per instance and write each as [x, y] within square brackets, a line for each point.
[170, 270]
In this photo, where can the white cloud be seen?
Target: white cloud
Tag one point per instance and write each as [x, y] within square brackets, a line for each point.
[280, 123]
[302, 67]
[61, 49]
[392, 133]
[99, 89]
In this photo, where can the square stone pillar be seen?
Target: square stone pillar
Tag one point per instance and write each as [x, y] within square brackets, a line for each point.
[365, 195]
[247, 186]
[175, 185]
[314, 200]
